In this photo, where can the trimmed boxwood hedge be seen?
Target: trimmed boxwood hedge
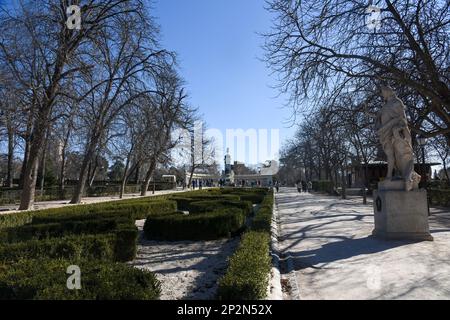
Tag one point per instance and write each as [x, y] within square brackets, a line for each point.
[95, 237]
[100, 247]
[244, 190]
[268, 200]
[203, 226]
[184, 201]
[65, 228]
[247, 276]
[136, 211]
[9, 220]
[72, 239]
[253, 198]
[262, 220]
[439, 197]
[125, 247]
[45, 279]
[211, 205]
[139, 208]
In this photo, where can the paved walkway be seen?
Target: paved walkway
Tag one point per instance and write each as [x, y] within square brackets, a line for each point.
[6, 209]
[334, 255]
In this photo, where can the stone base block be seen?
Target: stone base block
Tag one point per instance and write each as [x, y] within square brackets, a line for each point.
[401, 215]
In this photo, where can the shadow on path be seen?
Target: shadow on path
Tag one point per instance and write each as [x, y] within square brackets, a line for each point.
[341, 250]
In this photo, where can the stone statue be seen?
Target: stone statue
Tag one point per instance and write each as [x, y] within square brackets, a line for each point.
[395, 137]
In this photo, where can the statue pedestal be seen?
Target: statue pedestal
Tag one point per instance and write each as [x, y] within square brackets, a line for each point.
[400, 214]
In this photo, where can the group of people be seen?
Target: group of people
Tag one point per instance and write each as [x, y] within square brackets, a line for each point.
[303, 186]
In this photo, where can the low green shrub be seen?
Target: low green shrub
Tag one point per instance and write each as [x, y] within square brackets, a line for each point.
[268, 200]
[45, 279]
[262, 220]
[125, 248]
[228, 197]
[211, 205]
[9, 220]
[263, 217]
[100, 247]
[139, 208]
[184, 201]
[65, 228]
[253, 198]
[203, 226]
[244, 190]
[247, 276]
[136, 210]
[439, 197]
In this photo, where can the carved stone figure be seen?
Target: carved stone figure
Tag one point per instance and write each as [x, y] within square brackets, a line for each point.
[395, 137]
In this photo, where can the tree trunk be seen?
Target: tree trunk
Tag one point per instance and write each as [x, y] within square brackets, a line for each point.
[148, 175]
[79, 188]
[62, 171]
[125, 177]
[39, 131]
[42, 172]
[344, 184]
[93, 174]
[82, 179]
[27, 138]
[24, 162]
[36, 143]
[62, 174]
[123, 185]
[42, 166]
[30, 172]
[10, 175]
[444, 164]
[191, 174]
[136, 176]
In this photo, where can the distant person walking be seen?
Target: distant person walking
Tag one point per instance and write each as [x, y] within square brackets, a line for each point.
[310, 186]
[277, 186]
[303, 185]
[299, 186]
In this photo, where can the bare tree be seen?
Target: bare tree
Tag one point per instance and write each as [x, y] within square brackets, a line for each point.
[172, 112]
[202, 150]
[8, 121]
[320, 48]
[126, 59]
[42, 53]
[442, 150]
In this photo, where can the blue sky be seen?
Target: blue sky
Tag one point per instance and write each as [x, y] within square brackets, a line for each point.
[218, 47]
[219, 52]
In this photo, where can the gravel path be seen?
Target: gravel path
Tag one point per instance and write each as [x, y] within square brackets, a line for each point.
[187, 269]
[334, 255]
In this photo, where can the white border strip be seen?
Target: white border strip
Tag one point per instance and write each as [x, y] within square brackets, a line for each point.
[274, 290]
